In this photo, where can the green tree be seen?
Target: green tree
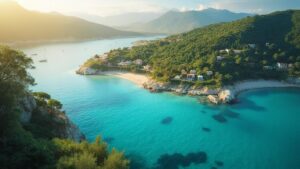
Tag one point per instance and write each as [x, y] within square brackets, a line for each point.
[54, 104]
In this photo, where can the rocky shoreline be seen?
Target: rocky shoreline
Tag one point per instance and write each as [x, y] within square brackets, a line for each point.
[68, 130]
[224, 95]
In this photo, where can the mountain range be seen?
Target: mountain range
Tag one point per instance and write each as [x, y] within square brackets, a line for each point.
[174, 22]
[121, 20]
[19, 24]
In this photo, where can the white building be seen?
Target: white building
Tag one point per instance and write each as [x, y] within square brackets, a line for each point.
[147, 68]
[177, 77]
[209, 73]
[126, 63]
[138, 62]
[282, 65]
[220, 58]
[252, 45]
[237, 51]
[200, 77]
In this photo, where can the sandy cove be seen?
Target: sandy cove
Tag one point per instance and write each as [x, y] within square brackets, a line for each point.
[138, 79]
[259, 84]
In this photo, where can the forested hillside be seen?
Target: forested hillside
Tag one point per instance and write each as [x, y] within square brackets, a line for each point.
[35, 132]
[266, 46]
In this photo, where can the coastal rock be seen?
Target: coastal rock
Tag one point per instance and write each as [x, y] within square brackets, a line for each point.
[154, 86]
[226, 96]
[86, 71]
[64, 128]
[213, 99]
[26, 105]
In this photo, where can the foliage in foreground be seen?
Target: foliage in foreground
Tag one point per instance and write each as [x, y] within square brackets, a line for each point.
[36, 147]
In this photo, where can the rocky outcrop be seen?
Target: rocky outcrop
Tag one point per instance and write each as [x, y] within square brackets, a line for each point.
[26, 106]
[60, 124]
[226, 96]
[86, 71]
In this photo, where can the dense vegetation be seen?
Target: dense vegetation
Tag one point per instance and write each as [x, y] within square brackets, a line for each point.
[19, 24]
[38, 144]
[177, 22]
[255, 46]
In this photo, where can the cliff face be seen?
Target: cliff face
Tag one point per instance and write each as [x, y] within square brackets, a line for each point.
[57, 122]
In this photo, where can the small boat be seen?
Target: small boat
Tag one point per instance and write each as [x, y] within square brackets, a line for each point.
[43, 60]
[34, 54]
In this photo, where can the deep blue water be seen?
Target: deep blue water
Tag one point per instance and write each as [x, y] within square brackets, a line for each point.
[264, 135]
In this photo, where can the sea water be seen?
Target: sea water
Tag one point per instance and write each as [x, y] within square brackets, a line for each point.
[262, 133]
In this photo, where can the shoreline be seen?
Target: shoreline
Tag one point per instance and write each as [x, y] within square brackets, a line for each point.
[226, 94]
[249, 85]
[138, 79]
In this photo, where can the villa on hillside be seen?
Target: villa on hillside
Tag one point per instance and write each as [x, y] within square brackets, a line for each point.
[220, 58]
[192, 75]
[126, 63]
[138, 62]
[200, 77]
[252, 45]
[235, 51]
[209, 73]
[282, 66]
[268, 67]
[147, 68]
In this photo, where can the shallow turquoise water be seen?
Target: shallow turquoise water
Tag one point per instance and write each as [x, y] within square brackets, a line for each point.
[265, 135]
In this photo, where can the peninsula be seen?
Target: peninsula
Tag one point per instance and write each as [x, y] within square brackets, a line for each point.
[219, 60]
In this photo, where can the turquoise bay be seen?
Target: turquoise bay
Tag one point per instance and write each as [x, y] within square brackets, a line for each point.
[265, 135]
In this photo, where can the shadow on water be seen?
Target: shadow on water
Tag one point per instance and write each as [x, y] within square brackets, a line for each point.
[177, 160]
[219, 118]
[230, 114]
[248, 104]
[109, 139]
[166, 120]
[136, 161]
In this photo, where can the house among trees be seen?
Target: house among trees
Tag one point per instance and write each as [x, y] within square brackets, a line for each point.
[192, 75]
[147, 68]
[224, 51]
[138, 62]
[183, 73]
[200, 77]
[126, 63]
[237, 51]
[268, 67]
[252, 46]
[177, 77]
[282, 66]
[220, 58]
[209, 73]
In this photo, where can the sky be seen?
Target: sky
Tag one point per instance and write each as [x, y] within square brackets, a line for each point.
[116, 7]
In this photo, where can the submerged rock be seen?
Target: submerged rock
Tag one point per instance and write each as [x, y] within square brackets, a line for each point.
[176, 160]
[219, 163]
[230, 114]
[167, 120]
[206, 129]
[219, 118]
[109, 139]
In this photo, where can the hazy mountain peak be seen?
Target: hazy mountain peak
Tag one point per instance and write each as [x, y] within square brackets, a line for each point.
[175, 21]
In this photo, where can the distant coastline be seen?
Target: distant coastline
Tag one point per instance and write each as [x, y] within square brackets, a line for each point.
[30, 43]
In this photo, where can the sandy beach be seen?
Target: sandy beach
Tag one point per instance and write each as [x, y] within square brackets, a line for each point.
[258, 84]
[138, 79]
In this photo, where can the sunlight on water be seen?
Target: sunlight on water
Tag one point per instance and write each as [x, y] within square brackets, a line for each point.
[262, 132]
